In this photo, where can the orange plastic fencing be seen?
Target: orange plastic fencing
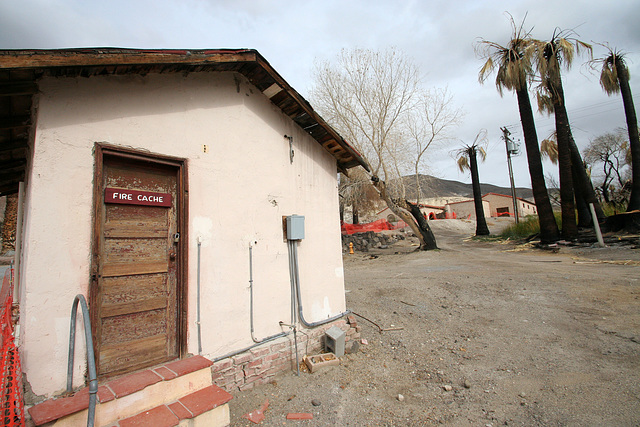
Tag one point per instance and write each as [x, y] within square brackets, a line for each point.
[11, 402]
[376, 226]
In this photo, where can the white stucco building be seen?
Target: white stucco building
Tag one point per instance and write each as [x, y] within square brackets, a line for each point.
[502, 205]
[467, 209]
[156, 184]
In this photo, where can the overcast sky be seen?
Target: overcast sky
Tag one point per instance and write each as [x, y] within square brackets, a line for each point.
[438, 35]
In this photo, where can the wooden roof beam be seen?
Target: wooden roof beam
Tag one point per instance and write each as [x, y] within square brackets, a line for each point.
[109, 56]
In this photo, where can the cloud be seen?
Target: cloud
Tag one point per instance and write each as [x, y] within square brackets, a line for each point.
[438, 36]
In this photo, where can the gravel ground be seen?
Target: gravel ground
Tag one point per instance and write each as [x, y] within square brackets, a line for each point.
[491, 334]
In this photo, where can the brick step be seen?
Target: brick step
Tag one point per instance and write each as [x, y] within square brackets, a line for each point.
[204, 408]
[129, 395]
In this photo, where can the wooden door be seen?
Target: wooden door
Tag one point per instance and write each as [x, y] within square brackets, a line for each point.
[136, 295]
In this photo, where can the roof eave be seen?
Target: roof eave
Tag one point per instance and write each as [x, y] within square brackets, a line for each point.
[94, 61]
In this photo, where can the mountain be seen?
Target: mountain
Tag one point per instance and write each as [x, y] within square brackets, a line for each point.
[433, 187]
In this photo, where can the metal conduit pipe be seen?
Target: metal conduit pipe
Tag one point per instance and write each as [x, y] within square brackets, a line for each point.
[293, 286]
[295, 300]
[91, 360]
[278, 335]
[242, 350]
[294, 321]
[293, 253]
[270, 338]
[295, 340]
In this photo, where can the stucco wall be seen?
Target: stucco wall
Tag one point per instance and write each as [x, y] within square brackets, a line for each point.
[464, 209]
[500, 201]
[238, 192]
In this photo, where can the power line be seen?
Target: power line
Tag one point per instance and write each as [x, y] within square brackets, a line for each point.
[543, 121]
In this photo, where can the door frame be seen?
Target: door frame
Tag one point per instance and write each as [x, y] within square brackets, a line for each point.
[102, 149]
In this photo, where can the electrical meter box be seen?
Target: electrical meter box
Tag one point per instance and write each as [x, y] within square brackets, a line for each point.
[295, 227]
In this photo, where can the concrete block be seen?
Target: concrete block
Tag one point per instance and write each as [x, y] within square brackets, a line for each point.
[334, 340]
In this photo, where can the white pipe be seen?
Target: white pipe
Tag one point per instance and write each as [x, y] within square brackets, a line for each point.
[198, 300]
[596, 226]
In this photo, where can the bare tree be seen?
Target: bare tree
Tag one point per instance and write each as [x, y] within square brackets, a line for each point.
[610, 152]
[356, 192]
[428, 124]
[369, 97]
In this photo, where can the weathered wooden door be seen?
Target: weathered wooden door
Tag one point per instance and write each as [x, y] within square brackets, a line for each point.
[136, 293]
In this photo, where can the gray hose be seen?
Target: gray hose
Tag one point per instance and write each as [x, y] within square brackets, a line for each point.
[91, 360]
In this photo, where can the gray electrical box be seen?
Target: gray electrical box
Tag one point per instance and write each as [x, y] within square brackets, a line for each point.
[295, 227]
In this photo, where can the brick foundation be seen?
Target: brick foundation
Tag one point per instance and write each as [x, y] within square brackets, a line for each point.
[261, 364]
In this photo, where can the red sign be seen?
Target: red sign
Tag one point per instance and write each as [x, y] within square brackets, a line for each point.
[135, 197]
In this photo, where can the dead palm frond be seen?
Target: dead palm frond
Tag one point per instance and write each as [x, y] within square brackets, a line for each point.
[612, 67]
[468, 150]
[545, 102]
[463, 163]
[549, 148]
[550, 57]
[513, 61]
[559, 52]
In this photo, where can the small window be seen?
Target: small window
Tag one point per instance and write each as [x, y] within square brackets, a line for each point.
[502, 211]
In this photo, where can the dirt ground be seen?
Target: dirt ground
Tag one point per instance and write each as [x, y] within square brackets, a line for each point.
[492, 334]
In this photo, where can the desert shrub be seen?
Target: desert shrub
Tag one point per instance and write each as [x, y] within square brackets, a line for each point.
[527, 227]
[524, 228]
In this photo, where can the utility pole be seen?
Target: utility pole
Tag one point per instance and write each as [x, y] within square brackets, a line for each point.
[511, 149]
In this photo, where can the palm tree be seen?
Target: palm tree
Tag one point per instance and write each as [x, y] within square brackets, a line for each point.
[614, 78]
[467, 160]
[514, 70]
[551, 56]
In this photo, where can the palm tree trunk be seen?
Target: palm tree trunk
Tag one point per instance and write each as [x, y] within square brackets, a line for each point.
[582, 209]
[634, 141]
[583, 187]
[481, 222]
[548, 226]
[567, 205]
